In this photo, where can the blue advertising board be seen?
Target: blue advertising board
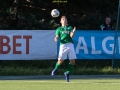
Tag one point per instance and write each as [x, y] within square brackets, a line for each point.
[96, 44]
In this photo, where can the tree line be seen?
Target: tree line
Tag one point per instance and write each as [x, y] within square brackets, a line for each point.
[35, 14]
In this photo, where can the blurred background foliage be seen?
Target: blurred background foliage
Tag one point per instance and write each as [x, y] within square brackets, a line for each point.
[35, 14]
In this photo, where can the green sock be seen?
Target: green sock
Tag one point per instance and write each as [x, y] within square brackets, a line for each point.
[70, 67]
[57, 66]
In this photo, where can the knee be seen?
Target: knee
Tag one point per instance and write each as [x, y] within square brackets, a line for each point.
[72, 62]
[60, 62]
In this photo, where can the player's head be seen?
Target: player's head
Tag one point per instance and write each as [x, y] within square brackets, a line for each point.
[63, 20]
[107, 20]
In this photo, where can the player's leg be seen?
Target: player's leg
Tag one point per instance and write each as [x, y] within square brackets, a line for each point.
[70, 66]
[72, 57]
[69, 69]
[61, 57]
[58, 63]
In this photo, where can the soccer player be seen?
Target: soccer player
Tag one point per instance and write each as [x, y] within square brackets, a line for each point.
[65, 33]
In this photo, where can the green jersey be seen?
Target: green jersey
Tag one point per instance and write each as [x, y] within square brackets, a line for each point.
[64, 34]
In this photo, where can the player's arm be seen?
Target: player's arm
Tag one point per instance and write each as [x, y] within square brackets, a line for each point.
[56, 38]
[57, 35]
[72, 33]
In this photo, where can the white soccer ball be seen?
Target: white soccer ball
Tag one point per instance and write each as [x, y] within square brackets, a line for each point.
[55, 13]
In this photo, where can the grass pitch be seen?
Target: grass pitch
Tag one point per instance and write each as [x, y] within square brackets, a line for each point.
[74, 84]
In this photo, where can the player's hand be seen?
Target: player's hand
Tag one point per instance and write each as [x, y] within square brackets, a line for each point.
[56, 39]
[74, 29]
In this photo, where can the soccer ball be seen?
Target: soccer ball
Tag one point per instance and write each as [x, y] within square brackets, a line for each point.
[55, 13]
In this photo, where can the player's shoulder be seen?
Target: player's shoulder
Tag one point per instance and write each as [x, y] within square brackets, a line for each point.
[69, 27]
[58, 28]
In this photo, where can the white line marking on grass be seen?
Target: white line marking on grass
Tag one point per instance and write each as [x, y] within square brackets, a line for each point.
[94, 82]
[69, 82]
[39, 81]
[106, 83]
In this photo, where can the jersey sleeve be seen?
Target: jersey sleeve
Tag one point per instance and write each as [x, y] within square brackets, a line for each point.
[57, 32]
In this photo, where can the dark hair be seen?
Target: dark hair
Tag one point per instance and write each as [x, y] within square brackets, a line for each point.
[63, 16]
[108, 17]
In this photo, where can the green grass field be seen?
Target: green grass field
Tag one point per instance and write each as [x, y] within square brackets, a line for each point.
[74, 84]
